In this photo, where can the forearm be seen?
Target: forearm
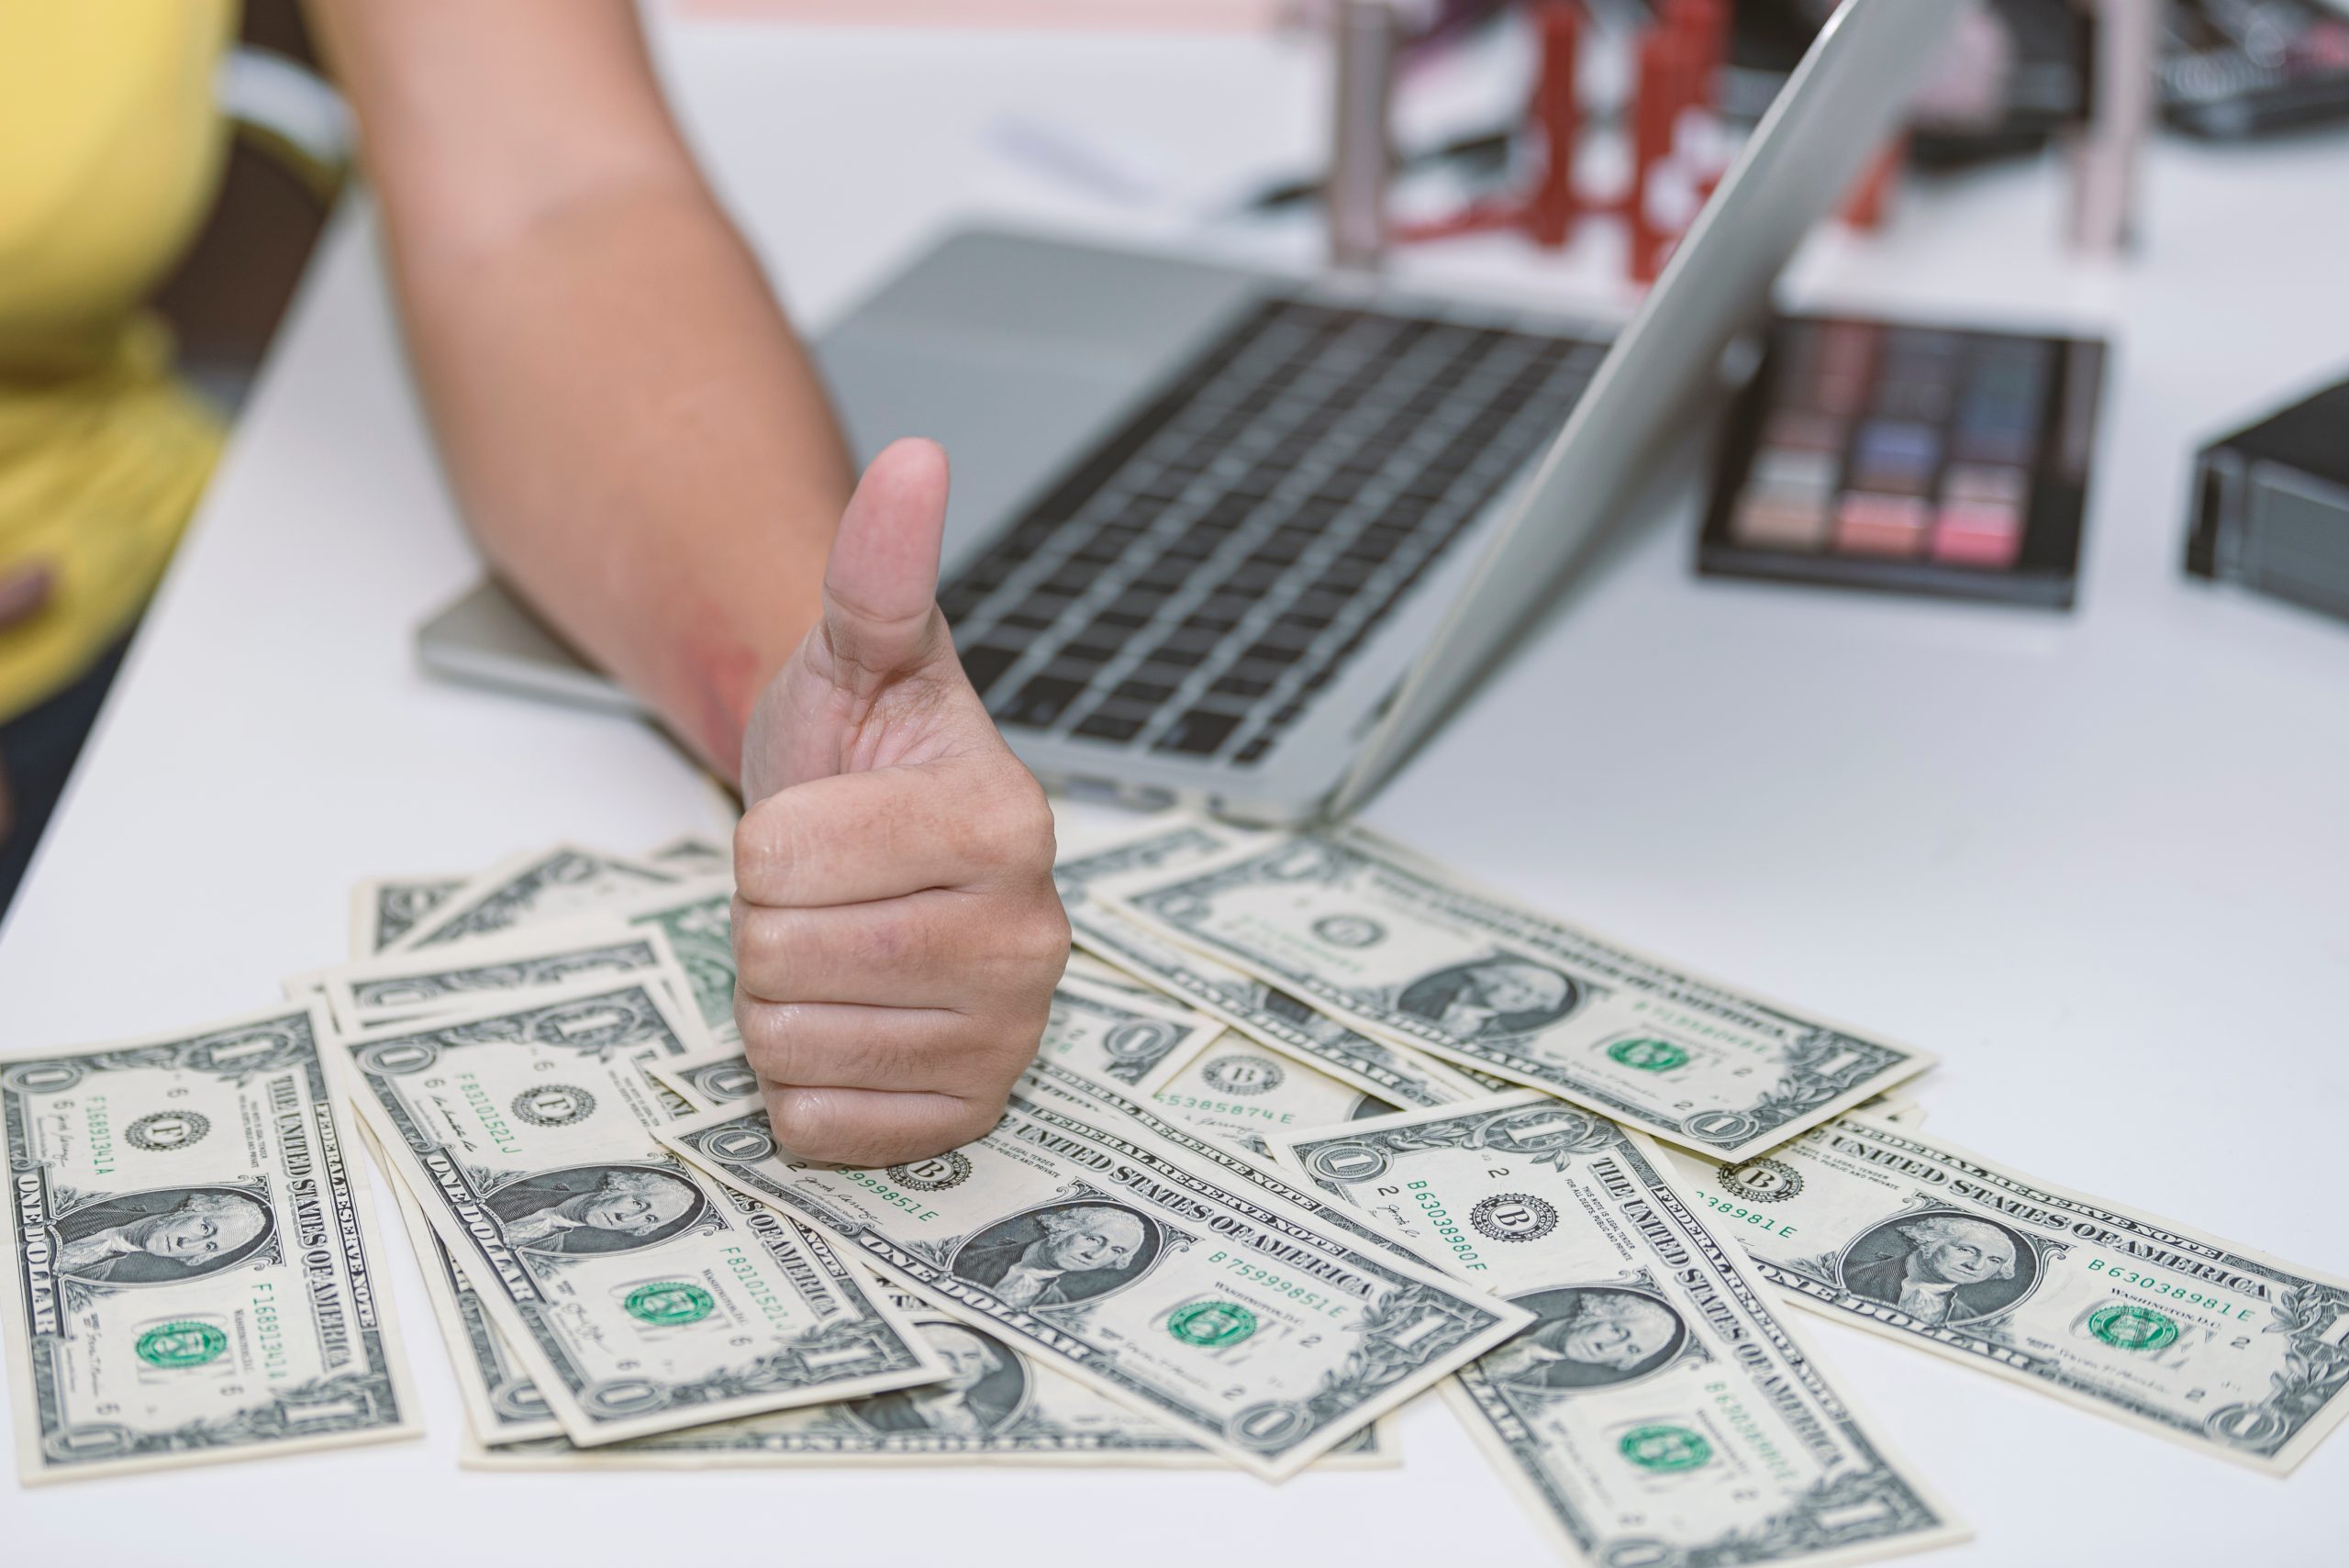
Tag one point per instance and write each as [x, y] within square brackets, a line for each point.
[639, 444]
[631, 430]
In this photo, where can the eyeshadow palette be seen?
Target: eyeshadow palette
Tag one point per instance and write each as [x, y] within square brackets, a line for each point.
[1918, 459]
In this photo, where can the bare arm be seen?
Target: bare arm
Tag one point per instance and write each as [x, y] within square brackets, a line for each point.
[634, 433]
[640, 443]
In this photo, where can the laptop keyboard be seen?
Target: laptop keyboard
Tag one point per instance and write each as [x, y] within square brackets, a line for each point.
[1203, 573]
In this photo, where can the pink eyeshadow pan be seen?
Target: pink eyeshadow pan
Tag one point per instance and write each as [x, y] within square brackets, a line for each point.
[1869, 524]
[1977, 535]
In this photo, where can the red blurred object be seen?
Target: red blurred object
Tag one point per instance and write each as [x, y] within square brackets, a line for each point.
[1870, 200]
[1679, 65]
[1667, 83]
[1556, 118]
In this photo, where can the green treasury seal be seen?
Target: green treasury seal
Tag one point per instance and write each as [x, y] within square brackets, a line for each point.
[181, 1344]
[668, 1301]
[1212, 1323]
[2133, 1328]
[1666, 1448]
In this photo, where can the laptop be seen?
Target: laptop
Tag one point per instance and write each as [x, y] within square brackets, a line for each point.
[1242, 541]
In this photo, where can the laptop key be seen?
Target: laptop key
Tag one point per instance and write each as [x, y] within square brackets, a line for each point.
[1103, 725]
[982, 664]
[1199, 733]
[1036, 705]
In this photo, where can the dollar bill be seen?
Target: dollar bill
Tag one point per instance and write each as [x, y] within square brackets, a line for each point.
[1107, 1032]
[1115, 1035]
[398, 987]
[1394, 948]
[1234, 1089]
[1898, 1109]
[385, 908]
[2103, 1305]
[545, 884]
[709, 1080]
[1189, 1288]
[193, 1258]
[690, 854]
[1085, 966]
[1658, 1410]
[502, 1404]
[996, 1406]
[1264, 1013]
[639, 1295]
[696, 919]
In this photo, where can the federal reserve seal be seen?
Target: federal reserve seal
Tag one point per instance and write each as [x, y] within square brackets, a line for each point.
[161, 1131]
[1762, 1181]
[1243, 1075]
[934, 1175]
[552, 1104]
[1513, 1217]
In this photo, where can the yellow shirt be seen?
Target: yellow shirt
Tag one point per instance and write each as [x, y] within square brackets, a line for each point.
[114, 151]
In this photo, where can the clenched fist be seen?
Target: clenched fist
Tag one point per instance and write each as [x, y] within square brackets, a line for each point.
[896, 930]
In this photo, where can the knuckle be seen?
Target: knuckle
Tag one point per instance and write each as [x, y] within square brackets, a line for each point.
[1016, 822]
[805, 1120]
[771, 1039]
[759, 938]
[1044, 936]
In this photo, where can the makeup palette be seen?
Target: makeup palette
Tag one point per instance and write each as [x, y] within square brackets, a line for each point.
[1918, 459]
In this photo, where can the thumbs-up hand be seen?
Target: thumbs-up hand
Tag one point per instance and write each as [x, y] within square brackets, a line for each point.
[896, 935]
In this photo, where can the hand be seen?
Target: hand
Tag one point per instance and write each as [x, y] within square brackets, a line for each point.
[896, 935]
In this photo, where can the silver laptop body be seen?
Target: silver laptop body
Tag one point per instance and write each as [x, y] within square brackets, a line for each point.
[1104, 402]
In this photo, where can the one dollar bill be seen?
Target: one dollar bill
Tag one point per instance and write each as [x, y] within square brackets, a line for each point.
[543, 885]
[996, 1406]
[1658, 1410]
[639, 1295]
[1378, 939]
[195, 1279]
[1189, 1288]
[1264, 1013]
[2111, 1308]
[1239, 1091]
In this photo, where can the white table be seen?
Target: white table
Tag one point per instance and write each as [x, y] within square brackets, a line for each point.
[2095, 859]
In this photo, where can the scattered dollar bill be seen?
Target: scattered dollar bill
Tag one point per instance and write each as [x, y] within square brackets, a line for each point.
[1239, 1091]
[1265, 1013]
[546, 885]
[639, 1294]
[1085, 966]
[690, 854]
[1898, 1109]
[192, 1268]
[1378, 939]
[996, 1406]
[1658, 1410]
[1189, 1287]
[379, 991]
[706, 1081]
[1107, 1033]
[386, 908]
[2200, 1339]
[697, 919]
[502, 1404]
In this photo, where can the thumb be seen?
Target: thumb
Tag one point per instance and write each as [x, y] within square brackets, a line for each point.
[881, 584]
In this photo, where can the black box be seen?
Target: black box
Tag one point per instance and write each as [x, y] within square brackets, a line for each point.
[2271, 506]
